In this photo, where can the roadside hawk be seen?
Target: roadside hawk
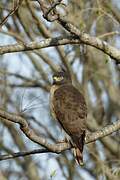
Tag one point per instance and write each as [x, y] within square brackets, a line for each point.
[68, 106]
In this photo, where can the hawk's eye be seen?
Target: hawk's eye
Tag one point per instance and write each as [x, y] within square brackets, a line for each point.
[59, 78]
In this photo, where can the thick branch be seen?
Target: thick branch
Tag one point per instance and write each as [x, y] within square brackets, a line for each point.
[38, 45]
[58, 147]
[51, 42]
[109, 129]
[92, 41]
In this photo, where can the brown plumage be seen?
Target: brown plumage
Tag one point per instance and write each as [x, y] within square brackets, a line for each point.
[69, 108]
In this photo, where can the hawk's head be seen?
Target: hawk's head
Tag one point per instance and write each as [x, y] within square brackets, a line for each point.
[61, 77]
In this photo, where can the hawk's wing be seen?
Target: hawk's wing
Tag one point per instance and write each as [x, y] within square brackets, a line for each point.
[70, 110]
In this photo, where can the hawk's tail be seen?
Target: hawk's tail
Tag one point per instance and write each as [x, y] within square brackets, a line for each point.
[78, 148]
[78, 156]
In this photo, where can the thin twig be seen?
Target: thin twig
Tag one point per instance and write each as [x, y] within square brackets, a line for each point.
[22, 154]
[15, 8]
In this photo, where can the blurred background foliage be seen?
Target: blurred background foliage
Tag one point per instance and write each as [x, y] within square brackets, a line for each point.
[25, 80]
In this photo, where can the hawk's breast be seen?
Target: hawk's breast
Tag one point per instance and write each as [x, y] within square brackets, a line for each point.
[69, 108]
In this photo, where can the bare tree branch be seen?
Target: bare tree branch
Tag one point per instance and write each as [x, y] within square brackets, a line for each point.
[83, 37]
[22, 154]
[50, 42]
[16, 5]
[55, 148]
[38, 45]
